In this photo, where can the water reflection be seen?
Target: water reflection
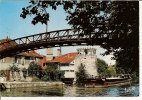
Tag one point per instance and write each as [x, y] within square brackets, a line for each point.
[72, 91]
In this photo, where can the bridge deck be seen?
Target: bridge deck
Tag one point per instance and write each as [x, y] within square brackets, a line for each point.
[67, 37]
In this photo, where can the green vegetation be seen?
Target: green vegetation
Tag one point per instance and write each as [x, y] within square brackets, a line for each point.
[52, 67]
[81, 74]
[51, 73]
[35, 79]
[134, 77]
[24, 70]
[105, 70]
[14, 68]
[2, 73]
[102, 68]
[34, 70]
[112, 71]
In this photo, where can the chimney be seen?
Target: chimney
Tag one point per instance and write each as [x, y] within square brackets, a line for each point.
[58, 52]
[49, 53]
[7, 37]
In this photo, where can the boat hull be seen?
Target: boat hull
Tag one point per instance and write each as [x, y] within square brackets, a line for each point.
[94, 83]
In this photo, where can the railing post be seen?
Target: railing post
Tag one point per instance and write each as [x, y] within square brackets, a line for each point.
[33, 38]
[41, 38]
[78, 35]
[68, 35]
[58, 36]
[49, 36]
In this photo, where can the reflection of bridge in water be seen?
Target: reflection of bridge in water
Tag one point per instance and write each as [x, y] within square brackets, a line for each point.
[67, 37]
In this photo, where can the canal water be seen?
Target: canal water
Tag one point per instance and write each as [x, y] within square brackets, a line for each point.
[73, 91]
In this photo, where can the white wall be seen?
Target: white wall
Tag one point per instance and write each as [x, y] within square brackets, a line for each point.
[4, 66]
[88, 60]
[69, 70]
[90, 64]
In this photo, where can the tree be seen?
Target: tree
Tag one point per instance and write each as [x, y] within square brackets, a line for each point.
[81, 74]
[51, 67]
[119, 19]
[102, 68]
[24, 70]
[126, 33]
[52, 73]
[35, 70]
[112, 71]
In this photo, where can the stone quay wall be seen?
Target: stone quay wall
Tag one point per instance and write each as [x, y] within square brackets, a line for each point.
[9, 85]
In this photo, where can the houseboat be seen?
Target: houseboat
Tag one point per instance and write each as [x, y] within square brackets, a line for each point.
[123, 79]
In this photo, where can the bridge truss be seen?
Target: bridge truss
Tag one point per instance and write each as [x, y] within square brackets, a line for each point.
[67, 37]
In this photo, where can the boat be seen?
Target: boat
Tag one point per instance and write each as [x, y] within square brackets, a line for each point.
[123, 79]
[67, 80]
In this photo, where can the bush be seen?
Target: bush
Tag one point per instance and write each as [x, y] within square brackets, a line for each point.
[34, 70]
[35, 79]
[14, 68]
[135, 78]
[2, 73]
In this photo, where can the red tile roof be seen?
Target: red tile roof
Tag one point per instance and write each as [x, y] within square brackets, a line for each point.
[6, 45]
[66, 58]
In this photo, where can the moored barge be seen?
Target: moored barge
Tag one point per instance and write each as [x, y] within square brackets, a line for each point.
[99, 82]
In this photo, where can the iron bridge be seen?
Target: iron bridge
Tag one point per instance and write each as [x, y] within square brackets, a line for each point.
[66, 37]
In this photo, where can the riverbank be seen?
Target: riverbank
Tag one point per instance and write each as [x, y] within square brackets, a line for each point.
[10, 85]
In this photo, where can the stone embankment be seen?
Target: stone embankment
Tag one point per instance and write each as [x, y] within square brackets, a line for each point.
[31, 84]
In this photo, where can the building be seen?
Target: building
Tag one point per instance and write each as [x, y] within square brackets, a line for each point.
[71, 61]
[22, 60]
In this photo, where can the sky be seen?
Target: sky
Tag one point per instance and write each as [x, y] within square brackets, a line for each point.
[14, 26]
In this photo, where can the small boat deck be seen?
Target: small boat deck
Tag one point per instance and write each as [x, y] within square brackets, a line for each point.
[107, 82]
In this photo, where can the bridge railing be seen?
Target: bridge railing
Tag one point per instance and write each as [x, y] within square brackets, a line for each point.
[60, 35]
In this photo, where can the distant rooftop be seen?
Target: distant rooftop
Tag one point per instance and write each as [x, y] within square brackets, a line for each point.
[66, 58]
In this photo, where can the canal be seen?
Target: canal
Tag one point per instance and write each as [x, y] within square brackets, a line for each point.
[73, 91]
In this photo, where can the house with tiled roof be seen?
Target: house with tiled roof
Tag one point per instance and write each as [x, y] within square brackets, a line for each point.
[22, 60]
[70, 62]
[66, 63]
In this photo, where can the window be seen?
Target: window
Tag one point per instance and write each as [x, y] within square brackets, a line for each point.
[19, 60]
[71, 64]
[44, 64]
[71, 70]
[36, 60]
[64, 64]
[32, 59]
[15, 59]
[23, 60]
[27, 58]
